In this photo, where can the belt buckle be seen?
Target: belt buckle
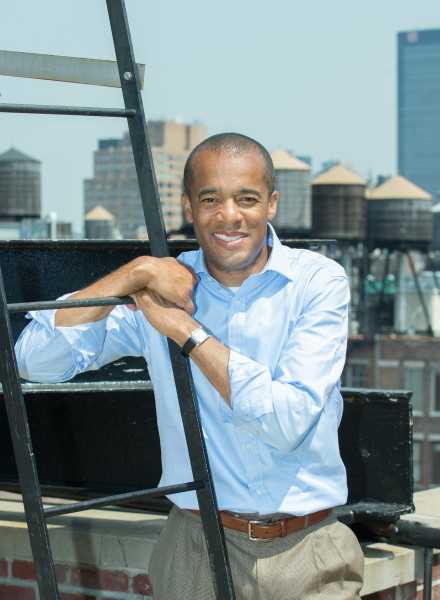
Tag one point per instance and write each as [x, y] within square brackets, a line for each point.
[253, 538]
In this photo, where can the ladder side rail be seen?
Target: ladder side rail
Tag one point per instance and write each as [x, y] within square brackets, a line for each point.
[138, 130]
[213, 529]
[25, 459]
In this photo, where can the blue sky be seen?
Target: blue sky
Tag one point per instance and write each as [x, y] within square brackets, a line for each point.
[314, 77]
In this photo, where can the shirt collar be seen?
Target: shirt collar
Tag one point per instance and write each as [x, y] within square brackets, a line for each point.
[277, 262]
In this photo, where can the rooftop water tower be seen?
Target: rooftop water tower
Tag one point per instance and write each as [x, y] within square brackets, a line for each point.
[339, 206]
[292, 181]
[20, 186]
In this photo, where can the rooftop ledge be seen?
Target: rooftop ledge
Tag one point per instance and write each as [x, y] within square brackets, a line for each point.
[119, 539]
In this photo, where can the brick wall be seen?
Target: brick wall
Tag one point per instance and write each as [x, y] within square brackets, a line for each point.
[18, 582]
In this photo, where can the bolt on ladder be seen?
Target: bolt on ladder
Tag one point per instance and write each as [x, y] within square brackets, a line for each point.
[101, 73]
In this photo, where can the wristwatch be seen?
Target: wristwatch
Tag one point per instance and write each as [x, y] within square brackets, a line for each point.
[197, 337]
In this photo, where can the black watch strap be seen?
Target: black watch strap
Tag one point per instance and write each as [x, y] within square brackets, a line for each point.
[197, 337]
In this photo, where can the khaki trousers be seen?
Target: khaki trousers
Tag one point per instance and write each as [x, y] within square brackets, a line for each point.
[322, 561]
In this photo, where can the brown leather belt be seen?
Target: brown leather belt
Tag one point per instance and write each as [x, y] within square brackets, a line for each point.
[259, 530]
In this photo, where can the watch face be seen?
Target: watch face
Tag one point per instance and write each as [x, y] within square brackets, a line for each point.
[200, 336]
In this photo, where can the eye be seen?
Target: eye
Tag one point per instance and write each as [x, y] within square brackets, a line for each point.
[247, 200]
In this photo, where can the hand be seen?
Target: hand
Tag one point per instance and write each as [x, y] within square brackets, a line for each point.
[167, 318]
[168, 277]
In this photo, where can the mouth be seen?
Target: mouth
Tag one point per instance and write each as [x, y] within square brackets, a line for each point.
[229, 237]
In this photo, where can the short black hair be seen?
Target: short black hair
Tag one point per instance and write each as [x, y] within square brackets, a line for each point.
[235, 145]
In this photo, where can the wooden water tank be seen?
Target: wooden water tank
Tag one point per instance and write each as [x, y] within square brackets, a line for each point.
[292, 180]
[99, 224]
[399, 211]
[339, 206]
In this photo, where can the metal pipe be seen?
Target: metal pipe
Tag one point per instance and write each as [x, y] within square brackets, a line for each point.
[419, 293]
[66, 509]
[416, 534]
[400, 324]
[427, 573]
[83, 111]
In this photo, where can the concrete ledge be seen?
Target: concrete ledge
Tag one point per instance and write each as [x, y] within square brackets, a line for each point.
[104, 538]
[116, 540]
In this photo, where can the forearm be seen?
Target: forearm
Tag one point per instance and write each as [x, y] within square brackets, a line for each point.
[212, 358]
[119, 283]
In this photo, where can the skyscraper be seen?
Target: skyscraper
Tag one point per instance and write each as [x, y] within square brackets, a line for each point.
[114, 184]
[419, 108]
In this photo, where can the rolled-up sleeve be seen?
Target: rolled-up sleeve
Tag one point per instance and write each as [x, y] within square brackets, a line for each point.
[282, 406]
[48, 353]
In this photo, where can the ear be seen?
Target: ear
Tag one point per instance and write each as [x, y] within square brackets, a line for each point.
[272, 208]
[187, 210]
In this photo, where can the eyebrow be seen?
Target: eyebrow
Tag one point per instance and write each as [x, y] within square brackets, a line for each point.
[214, 190]
[250, 191]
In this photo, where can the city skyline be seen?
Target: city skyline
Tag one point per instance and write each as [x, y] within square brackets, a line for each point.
[313, 78]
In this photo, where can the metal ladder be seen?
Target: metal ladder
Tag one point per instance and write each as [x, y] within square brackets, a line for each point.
[35, 512]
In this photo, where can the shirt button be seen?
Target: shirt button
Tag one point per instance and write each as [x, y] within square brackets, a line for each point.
[259, 492]
[249, 446]
[236, 349]
[238, 302]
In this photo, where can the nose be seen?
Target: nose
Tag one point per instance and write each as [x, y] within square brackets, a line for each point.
[230, 211]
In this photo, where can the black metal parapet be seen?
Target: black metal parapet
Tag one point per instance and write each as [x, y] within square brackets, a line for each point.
[71, 421]
[375, 438]
[110, 410]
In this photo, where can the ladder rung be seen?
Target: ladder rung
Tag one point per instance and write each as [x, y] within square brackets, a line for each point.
[90, 71]
[65, 509]
[79, 303]
[61, 387]
[83, 111]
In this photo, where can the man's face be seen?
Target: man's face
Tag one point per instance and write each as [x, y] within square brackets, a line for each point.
[229, 207]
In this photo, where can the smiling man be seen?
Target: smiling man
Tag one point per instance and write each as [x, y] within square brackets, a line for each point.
[265, 328]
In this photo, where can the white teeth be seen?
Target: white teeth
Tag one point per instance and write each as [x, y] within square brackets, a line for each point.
[227, 238]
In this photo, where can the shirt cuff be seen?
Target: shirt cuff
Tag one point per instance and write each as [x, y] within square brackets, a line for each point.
[251, 388]
[46, 318]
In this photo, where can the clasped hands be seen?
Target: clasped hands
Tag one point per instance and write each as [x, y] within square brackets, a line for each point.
[167, 297]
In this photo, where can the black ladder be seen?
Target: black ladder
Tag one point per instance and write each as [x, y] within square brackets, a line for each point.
[35, 512]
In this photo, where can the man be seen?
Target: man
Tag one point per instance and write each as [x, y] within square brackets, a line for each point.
[270, 326]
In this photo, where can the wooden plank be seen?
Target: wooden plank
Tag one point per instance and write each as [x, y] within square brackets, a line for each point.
[63, 68]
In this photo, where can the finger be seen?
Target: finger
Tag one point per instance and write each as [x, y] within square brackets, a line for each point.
[189, 307]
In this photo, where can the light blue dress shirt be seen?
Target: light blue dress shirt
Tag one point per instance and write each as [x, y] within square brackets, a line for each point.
[277, 449]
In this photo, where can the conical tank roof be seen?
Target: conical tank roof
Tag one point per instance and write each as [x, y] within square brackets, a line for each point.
[399, 188]
[338, 175]
[283, 161]
[13, 155]
[99, 213]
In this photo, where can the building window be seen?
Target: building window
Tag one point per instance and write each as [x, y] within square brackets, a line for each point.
[417, 463]
[436, 462]
[435, 391]
[356, 375]
[414, 383]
